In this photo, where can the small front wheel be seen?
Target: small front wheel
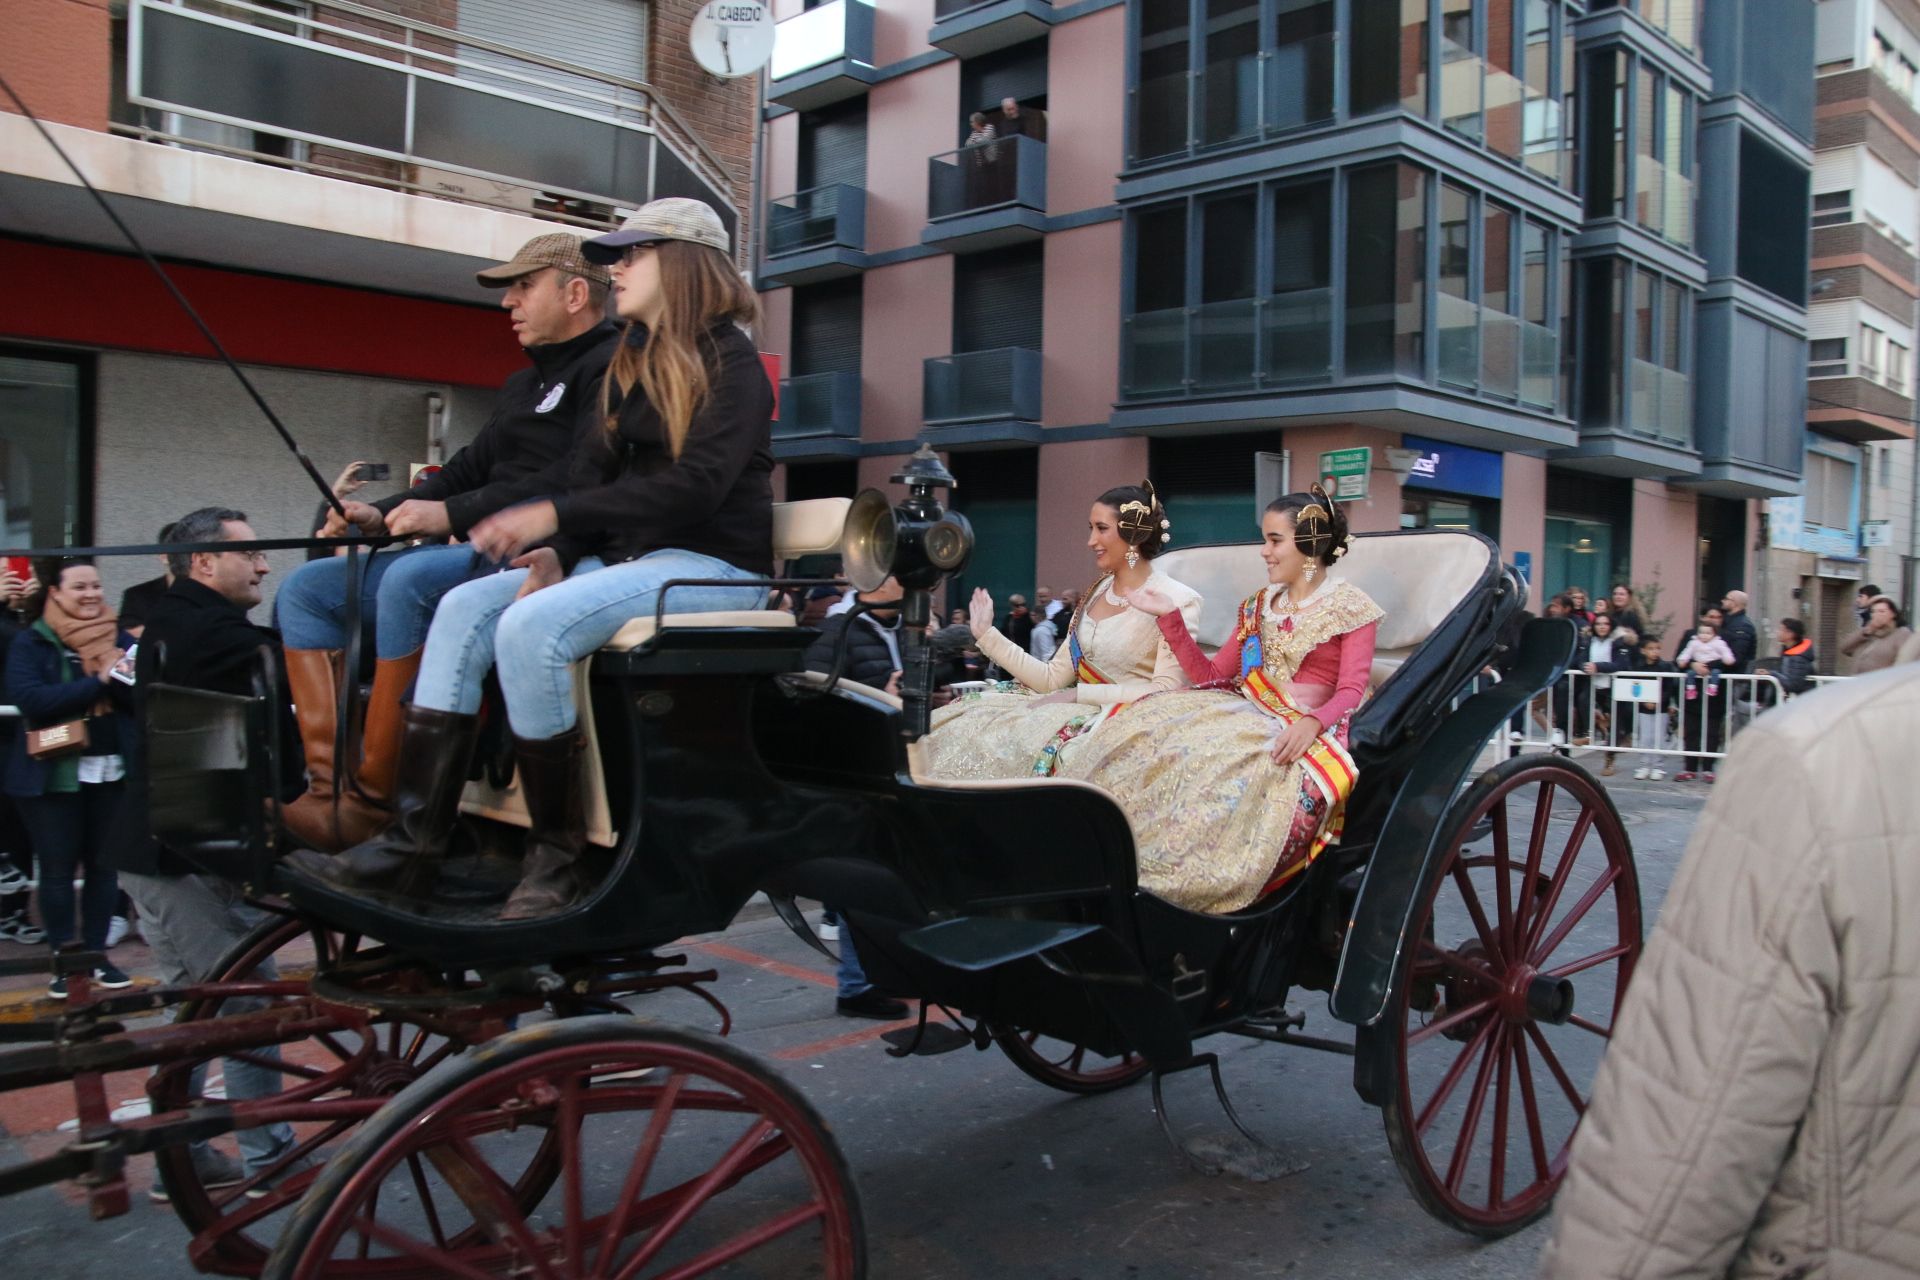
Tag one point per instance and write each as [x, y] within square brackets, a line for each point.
[679, 1156]
[1070, 1068]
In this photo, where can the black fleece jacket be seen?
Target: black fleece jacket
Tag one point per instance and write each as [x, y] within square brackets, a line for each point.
[534, 421]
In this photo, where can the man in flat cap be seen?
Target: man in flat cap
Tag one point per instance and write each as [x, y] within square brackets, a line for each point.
[558, 301]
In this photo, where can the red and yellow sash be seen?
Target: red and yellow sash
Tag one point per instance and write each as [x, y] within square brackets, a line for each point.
[1047, 763]
[1326, 766]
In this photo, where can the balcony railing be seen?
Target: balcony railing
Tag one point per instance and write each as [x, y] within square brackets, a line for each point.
[1244, 344]
[819, 218]
[1663, 201]
[1236, 100]
[503, 126]
[822, 55]
[1497, 354]
[1661, 404]
[983, 386]
[819, 405]
[987, 175]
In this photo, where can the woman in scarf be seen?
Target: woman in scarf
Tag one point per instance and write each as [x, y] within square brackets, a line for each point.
[60, 671]
[1234, 787]
[1113, 655]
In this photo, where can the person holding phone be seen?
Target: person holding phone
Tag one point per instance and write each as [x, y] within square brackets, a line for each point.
[557, 300]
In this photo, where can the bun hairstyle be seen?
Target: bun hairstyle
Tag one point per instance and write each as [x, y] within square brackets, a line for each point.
[1319, 525]
[1142, 522]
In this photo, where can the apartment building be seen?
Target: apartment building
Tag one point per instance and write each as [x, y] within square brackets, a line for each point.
[323, 178]
[1532, 267]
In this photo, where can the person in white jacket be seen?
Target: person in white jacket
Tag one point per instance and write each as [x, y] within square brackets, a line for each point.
[1758, 1112]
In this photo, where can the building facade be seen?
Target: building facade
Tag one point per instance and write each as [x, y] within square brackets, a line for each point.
[1854, 525]
[1525, 254]
[322, 180]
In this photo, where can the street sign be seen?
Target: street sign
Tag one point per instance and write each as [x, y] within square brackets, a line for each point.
[1876, 533]
[1343, 473]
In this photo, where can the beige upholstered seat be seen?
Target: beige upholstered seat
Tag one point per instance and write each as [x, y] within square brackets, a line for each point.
[1417, 579]
[800, 529]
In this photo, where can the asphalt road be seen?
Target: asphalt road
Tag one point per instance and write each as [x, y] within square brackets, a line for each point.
[965, 1167]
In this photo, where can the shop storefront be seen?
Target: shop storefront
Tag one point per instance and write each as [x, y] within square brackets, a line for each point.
[1451, 487]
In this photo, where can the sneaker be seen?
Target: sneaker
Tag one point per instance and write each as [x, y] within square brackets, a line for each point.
[829, 932]
[1514, 735]
[1685, 775]
[112, 978]
[12, 880]
[871, 1004]
[57, 989]
[212, 1168]
[19, 929]
[1657, 774]
[1640, 775]
[117, 930]
[1559, 737]
[294, 1168]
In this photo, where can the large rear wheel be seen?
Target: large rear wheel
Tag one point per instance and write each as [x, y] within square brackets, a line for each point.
[1509, 984]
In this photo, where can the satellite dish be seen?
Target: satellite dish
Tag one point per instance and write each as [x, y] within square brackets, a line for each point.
[732, 38]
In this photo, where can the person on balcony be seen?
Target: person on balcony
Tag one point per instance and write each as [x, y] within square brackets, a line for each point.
[558, 301]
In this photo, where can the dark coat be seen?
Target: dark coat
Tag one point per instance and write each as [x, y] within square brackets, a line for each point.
[1797, 667]
[35, 685]
[138, 601]
[868, 659]
[1669, 689]
[536, 419]
[199, 639]
[626, 496]
[1740, 636]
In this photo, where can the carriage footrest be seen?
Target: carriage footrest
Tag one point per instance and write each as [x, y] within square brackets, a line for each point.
[977, 943]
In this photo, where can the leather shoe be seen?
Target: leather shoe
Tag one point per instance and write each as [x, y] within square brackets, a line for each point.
[871, 1004]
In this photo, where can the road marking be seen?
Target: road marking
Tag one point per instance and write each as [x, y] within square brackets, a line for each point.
[727, 951]
[846, 1041]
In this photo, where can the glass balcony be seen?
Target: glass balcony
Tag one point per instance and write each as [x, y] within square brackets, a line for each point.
[1225, 345]
[1155, 353]
[1237, 99]
[1459, 339]
[1539, 366]
[1499, 354]
[1661, 404]
[982, 386]
[1297, 332]
[822, 56]
[1243, 344]
[1663, 200]
[827, 217]
[819, 406]
[988, 175]
[1463, 78]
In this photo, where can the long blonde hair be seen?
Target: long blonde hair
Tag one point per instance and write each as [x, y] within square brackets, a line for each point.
[699, 288]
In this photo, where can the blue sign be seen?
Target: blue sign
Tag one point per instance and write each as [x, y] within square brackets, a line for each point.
[1523, 561]
[1453, 468]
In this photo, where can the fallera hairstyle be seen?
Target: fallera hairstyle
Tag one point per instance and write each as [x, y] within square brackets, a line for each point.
[1148, 543]
[204, 525]
[48, 570]
[699, 289]
[1796, 627]
[1322, 535]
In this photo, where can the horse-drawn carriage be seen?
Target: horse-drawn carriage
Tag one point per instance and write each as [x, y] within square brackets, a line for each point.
[1476, 926]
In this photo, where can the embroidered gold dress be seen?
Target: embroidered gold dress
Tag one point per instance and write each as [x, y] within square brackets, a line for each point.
[1216, 822]
[1008, 733]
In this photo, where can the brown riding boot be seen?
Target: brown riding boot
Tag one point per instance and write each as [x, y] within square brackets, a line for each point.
[367, 805]
[553, 781]
[436, 748]
[314, 676]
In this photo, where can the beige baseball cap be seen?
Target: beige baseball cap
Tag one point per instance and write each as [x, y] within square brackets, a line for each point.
[669, 218]
[557, 249]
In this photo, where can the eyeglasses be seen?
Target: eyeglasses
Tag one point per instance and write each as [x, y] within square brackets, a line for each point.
[253, 557]
[631, 254]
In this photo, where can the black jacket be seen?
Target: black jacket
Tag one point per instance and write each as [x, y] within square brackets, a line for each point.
[869, 661]
[1742, 639]
[534, 422]
[627, 496]
[197, 638]
[1797, 667]
[138, 601]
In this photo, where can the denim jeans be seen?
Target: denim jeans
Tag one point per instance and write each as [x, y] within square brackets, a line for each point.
[398, 593]
[851, 979]
[72, 832]
[190, 922]
[537, 640]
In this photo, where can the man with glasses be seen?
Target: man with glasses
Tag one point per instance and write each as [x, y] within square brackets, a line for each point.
[558, 302]
[198, 635]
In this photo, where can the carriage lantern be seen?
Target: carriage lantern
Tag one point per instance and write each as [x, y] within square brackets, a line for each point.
[917, 542]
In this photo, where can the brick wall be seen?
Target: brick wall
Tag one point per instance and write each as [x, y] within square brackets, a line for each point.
[720, 112]
[58, 56]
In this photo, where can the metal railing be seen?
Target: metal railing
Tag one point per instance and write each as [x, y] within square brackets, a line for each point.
[835, 214]
[819, 404]
[982, 386]
[987, 175]
[1220, 346]
[368, 83]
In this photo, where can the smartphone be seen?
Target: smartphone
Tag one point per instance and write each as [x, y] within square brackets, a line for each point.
[20, 567]
[123, 669]
[375, 470]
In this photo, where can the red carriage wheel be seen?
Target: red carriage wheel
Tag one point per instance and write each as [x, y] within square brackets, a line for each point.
[679, 1157]
[330, 1083]
[1518, 956]
[1068, 1067]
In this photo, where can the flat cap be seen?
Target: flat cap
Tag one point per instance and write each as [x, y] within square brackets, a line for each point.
[556, 249]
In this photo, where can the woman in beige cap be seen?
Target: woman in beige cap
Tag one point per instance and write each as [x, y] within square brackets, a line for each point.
[676, 484]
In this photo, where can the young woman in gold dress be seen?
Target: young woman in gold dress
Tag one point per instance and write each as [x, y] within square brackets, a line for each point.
[1235, 786]
[1112, 654]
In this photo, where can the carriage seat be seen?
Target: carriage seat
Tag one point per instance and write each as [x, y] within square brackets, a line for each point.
[811, 527]
[1417, 578]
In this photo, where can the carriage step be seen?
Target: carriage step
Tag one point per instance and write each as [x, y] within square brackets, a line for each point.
[1245, 1155]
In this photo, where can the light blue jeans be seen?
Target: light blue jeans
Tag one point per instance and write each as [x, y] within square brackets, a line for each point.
[398, 593]
[537, 640]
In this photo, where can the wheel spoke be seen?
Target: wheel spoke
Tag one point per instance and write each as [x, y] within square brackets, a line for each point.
[268, 1062]
[1552, 1060]
[1605, 1033]
[1562, 873]
[1536, 840]
[698, 1195]
[739, 1246]
[1536, 1133]
[1574, 916]
[1471, 897]
[1451, 1080]
[487, 1198]
[1587, 962]
[1078, 1056]
[1497, 1177]
[427, 1204]
[636, 1182]
[568, 1118]
[1476, 1103]
[1453, 962]
[1509, 924]
[1450, 1021]
[446, 1262]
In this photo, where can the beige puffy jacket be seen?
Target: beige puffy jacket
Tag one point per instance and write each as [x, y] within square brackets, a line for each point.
[1758, 1113]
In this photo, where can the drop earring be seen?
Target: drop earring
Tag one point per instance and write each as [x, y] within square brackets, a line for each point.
[1133, 557]
[1309, 571]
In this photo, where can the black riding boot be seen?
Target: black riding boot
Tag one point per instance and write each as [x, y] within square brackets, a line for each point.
[553, 781]
[436, 749]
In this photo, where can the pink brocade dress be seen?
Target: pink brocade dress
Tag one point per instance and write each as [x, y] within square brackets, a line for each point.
[1216, 823]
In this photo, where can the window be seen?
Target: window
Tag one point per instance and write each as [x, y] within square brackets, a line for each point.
[1386, 270]
[1827, 358]
[1897, 357]
[1771, 248]
[1831, 208]
[1649, 178]
[43, 440]
[1241, 84]
[1829, 485]
[1872, 351]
